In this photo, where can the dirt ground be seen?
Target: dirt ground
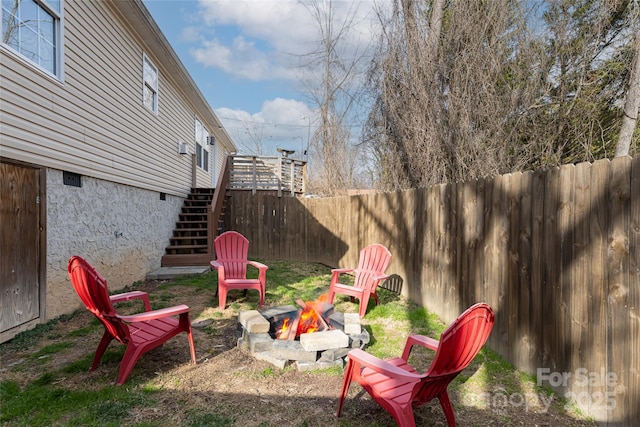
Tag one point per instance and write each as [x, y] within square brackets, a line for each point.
[229, 382]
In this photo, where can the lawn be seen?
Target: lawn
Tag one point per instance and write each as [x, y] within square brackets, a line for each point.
[44, 378]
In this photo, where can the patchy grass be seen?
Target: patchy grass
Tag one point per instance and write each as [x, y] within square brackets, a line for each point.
[44, 379]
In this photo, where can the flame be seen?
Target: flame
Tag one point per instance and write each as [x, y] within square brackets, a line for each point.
[286, 324]
[309, 321]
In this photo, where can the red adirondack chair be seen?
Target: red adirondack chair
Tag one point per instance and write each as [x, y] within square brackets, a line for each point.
[398, 388]
[231, 263]
[139, 332]
[372, 264]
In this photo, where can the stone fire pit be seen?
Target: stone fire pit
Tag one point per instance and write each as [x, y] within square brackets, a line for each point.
[257, 331]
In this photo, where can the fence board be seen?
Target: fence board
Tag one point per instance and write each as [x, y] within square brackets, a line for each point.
[537, 270]
[417, 263]
[553, 334]
[580, 272]
[566, 257]
[526, 340]
[439, 221]
[512, 265]
[633, 409]
[452, 278]
[430, 261]
[492, 260]
[449, 214]
[618, 292]
[599, 218]
[470, 228]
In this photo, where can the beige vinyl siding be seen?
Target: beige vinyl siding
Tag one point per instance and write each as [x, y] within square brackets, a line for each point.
[95, 122]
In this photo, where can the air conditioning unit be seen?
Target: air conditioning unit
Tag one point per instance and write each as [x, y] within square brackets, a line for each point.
[182, 148]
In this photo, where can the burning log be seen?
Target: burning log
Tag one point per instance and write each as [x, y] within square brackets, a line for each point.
[289, 328]
[314, 317]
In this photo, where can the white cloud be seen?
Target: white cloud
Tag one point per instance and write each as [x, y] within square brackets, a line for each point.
[265, 39]
[280, 123]
[241, 59]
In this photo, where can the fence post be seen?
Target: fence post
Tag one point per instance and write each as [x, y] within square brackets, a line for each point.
[255, 176]
[279, 177]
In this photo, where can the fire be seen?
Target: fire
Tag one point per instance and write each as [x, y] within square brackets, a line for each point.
[284, 328]
[307, 321]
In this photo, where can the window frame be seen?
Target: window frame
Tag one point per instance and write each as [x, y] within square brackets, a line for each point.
[155, 91]
[57, 39]
[201, 140]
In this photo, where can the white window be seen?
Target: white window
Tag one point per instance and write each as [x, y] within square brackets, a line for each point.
[149, 84]
[202, 151]
[33, 29]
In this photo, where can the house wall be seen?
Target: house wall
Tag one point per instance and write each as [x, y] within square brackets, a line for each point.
[121, 230]
[94, 123]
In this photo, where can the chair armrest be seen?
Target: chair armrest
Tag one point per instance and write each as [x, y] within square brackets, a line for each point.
[380, 276]
[258, 265]
[215, 265]
[363, 358]
[420, 340]
[336, 272]
[342, 270]
[128, 296]
[156, 314]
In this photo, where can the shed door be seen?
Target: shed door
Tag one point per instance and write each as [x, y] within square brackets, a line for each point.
[19, 246]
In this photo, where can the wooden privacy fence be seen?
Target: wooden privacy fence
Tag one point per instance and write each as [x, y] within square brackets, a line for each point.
[556, 253]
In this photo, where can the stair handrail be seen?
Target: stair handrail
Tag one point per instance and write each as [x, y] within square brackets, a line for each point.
[213, 216]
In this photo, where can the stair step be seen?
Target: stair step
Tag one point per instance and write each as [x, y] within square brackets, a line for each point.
[187, 247]
[183, 225]
[184, 242]
[177, 260]
[190, 232]
[198, 211]
[202, 204]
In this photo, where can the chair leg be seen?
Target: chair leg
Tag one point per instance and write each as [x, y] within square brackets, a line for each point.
[185, 324]
[448, 410]
[131, 356]
[222, 297]
[403, 415]
[348, 374]
[364, 301]
[102, 347]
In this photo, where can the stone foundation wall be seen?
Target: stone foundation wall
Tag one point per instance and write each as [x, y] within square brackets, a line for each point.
[121, 230]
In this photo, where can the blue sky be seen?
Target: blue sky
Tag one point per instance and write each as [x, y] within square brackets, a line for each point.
[245, 57]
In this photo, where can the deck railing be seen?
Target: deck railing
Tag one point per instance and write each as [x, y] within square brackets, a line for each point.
[263, 173]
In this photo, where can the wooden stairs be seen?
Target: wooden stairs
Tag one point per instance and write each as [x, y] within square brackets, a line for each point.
[190, 245]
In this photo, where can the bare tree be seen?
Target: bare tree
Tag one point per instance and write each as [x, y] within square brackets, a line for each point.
[631, 105]
[447, 87]
[468, 89]
[335, 91]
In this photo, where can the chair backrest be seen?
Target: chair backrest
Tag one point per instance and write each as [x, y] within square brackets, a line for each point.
[91, 287]
[459, 345]
[232, 249]
[374, 260]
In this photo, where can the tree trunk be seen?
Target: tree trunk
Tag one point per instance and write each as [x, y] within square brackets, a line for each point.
[631, 105]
